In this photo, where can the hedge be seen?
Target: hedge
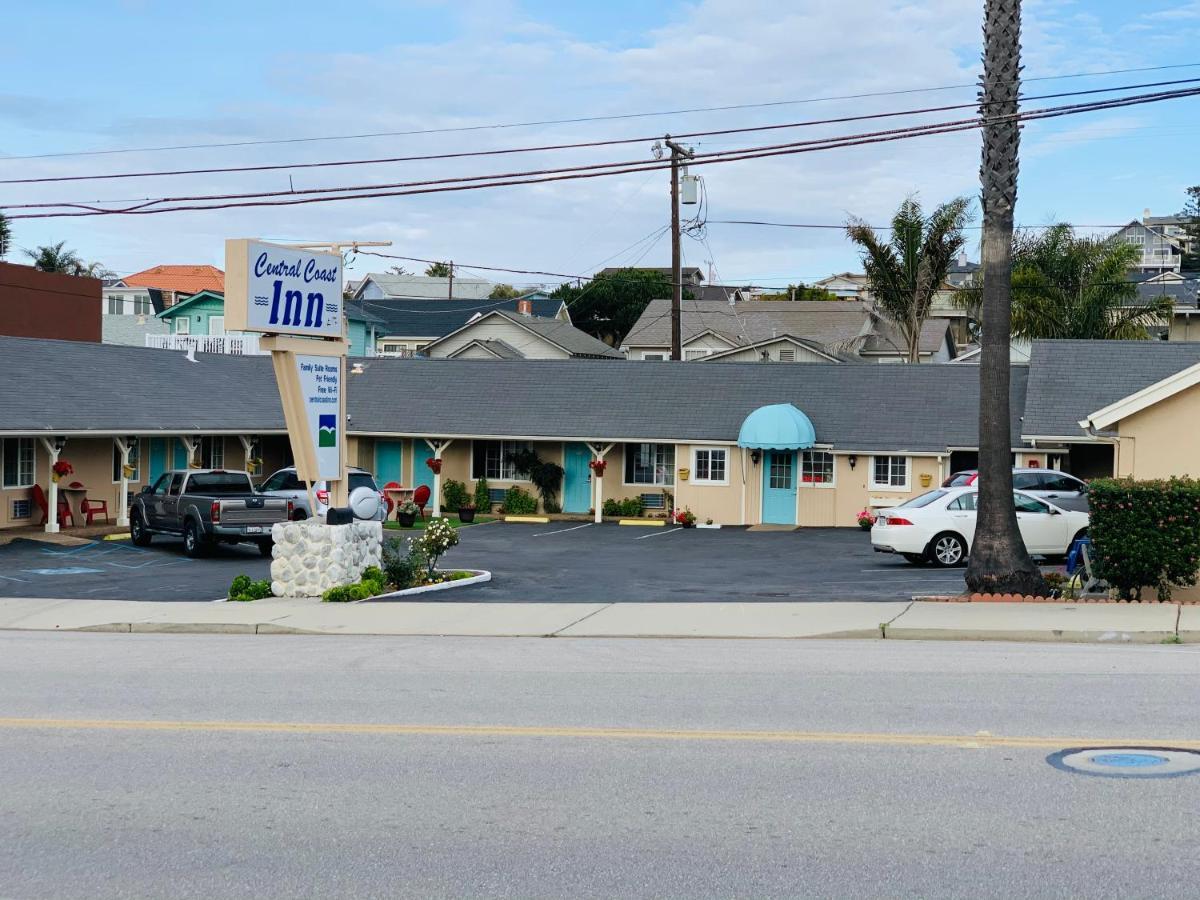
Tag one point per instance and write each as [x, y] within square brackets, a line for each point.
[1146, 533]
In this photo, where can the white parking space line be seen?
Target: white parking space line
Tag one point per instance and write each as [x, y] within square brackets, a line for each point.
[659, 533]
[564, 530]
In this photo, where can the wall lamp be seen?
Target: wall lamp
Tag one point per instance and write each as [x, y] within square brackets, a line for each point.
[755, 456]
[853, 460]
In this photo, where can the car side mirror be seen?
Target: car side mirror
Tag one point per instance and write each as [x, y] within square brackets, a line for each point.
[1054, 512]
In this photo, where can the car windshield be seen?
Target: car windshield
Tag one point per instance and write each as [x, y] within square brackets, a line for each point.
[923, 500]
[219, 483]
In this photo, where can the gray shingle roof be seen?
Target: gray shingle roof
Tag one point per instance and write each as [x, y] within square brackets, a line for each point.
[435, 318]
[855, 407]
[1068, 380]
[501, 349]
[1181, 293]
[429, 287]
[564, 335]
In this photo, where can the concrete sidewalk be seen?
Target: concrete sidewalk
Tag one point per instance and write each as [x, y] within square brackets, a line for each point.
[1068, 622]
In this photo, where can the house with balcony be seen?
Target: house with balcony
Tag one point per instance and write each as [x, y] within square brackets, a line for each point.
[1160, 252]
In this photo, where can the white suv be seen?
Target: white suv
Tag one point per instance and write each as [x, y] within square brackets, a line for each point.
[365, 497]
[1048, 483]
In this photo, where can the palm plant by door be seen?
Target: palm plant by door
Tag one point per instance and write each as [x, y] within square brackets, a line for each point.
[999, 562]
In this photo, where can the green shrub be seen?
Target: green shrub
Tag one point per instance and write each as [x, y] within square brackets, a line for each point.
[454, 494]
[629, 508]
[438, 537]
[518, 502]
[347, 593]
[243, 589]
[483, 496]
[551, 506]
[404, 565]
[1145, 533]
[611, 507]
[546, 476]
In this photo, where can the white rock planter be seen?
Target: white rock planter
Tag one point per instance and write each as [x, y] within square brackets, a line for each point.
[311, 557]
[480, 576]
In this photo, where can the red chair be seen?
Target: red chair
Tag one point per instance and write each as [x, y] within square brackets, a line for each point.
[92, 508]
[64, 509]
[421, 497]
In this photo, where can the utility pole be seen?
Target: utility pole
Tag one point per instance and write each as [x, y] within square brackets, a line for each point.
[677, 153]
[450, 293]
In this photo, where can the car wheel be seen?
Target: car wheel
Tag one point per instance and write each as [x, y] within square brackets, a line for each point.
[265, 547]
[947, 550]
[194, 544]
[917, 559]
[138, 533]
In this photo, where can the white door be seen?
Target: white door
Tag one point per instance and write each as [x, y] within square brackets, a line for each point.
[216, 326]
[1042, 532]
[963, 516]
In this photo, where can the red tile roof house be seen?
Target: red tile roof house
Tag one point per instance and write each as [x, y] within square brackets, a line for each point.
[178, 282]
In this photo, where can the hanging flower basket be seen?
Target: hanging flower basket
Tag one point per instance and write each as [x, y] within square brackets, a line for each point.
[61, 469]
[128, 470]
[598, 466]
[435, 465]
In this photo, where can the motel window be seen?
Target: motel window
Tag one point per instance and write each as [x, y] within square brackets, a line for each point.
[212, 453]
[18, 462]
[654, 357]
[133, 461]
[490, 459]
[816, 467]
[141, 305]
[116, 305]
[650, 464]
[696, 354]
[709, 465]
[889, 472]
[183, 325]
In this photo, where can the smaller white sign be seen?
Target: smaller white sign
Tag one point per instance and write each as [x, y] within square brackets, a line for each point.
[321, 385]
[293, 291]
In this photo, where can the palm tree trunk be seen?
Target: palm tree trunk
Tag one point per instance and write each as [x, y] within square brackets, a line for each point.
[999, 562]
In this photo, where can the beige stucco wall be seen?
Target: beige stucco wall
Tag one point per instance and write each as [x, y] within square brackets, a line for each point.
[1162, 440]
[721, 503]
[530, 345]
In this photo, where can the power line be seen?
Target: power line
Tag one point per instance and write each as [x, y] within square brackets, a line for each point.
[841, 120]
[582, 119]
[590, 171]
[878, 227]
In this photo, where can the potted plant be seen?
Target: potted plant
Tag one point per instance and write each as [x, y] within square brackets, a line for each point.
[866, 519]
[466, 512]
[598, 466]
[435, 465]
[61, 469]
[406, 514]
[684, 518]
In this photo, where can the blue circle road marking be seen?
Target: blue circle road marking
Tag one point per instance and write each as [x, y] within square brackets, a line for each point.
[1128, 760]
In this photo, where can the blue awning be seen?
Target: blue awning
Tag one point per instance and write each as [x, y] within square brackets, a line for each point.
[777, 427]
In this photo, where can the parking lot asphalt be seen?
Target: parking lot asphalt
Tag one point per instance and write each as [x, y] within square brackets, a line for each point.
[559, 562]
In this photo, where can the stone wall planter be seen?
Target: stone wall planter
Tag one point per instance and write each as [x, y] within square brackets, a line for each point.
[310, 557]
[480, 576]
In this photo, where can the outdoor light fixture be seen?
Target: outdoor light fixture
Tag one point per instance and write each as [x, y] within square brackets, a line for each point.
[853, 460]
[755, 456]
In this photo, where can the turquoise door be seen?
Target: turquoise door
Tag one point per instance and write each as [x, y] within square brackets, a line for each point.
[577, 478]
[389, 462]
[422, 474]
[181, 457]
[779, 487]
[158, 458]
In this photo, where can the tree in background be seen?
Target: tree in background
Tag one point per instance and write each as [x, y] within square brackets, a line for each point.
[1071, 287]
[1191, 261]
[999, 562]
[609, 306]
[438, 270]
[905, 272]
[801, 291]
[55, 258]
[398, 270]
[503, 292]
[5, 236]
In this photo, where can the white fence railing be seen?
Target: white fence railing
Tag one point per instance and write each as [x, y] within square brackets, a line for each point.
[235, 344]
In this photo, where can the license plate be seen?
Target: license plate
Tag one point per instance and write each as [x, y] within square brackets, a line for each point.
[254, 529]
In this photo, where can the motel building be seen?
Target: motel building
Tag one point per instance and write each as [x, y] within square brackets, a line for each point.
[738, 443]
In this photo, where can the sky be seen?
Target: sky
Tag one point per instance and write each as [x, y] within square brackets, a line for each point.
[82, 77]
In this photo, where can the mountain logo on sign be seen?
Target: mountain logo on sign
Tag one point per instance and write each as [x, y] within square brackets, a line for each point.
[327, 431]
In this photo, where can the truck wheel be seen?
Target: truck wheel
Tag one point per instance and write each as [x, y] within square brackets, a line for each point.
[139, 535]
[194, 543]
[265, 547]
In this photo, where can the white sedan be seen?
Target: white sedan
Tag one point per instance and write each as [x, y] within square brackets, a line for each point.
[939, 527]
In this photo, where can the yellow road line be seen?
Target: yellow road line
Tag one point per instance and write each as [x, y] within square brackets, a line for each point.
[972, 741]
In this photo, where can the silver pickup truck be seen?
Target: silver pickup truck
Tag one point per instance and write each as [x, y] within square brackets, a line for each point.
[206, 507]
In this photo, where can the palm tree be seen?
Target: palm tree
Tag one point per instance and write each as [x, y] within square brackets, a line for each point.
[1070, 287]
[999, 562]
[54, 258]
[5, 236]
[438, 270]
[905, 272]
[95, 270]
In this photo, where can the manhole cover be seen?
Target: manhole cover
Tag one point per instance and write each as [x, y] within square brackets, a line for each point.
[1127, 762]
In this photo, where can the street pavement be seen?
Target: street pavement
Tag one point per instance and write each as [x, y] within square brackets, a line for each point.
[214, 766]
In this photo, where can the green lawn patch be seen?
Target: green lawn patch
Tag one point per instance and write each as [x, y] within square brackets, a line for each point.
[453, 520]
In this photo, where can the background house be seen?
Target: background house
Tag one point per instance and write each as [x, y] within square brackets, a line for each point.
[378, 286]
[48, 304]
[175, 282]
[404, 326]
[502, 334]
[1160, 251]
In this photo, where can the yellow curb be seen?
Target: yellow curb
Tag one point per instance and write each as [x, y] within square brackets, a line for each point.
[652, 523]
[532, 520]
[123, 536]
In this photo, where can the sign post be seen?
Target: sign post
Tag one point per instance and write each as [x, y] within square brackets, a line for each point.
[294, 298]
